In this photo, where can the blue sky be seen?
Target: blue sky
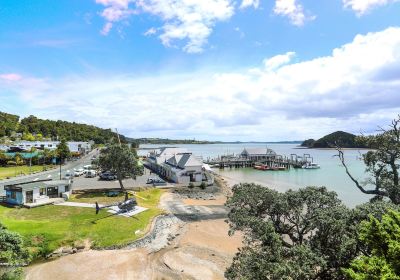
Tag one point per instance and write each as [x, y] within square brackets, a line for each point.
[212, 69]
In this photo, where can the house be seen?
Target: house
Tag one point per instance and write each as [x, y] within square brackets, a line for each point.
[178, 165]
[74, 147]
[36, 191]
[256, 154]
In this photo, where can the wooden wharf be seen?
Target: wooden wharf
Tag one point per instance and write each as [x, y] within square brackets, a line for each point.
[294, 161]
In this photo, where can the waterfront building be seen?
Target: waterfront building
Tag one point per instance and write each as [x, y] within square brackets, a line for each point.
[178, 165]
[256, 154]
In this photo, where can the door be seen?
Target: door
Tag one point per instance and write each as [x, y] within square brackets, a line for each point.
[29, 197]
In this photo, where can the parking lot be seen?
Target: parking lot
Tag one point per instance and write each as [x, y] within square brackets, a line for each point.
[82, 183]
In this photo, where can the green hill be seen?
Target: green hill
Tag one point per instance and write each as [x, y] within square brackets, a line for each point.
[338, 138]
[70, 131]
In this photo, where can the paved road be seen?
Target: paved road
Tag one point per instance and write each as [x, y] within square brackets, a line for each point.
[82, 183]
[50, 174]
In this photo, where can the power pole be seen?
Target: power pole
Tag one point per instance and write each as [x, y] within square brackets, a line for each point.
[119, 140]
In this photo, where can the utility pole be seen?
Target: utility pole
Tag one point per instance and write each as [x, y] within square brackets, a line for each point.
[119, 140]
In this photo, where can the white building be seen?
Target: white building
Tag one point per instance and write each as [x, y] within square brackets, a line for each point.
[74, 147]
[178, 165]
[258, 153]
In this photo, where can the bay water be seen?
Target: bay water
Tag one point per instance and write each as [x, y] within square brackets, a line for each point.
[331, 174]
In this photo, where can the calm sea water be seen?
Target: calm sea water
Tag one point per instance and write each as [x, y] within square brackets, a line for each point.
[331, 174]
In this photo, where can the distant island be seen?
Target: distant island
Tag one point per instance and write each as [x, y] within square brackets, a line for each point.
[167, 141]
[339, 138]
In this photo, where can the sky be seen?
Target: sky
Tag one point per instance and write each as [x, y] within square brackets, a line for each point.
[228, 70]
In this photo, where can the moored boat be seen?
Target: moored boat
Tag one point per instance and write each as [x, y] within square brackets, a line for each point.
[311, 165]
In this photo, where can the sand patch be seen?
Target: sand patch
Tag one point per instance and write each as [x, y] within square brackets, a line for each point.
[220, 200]
[99, 265]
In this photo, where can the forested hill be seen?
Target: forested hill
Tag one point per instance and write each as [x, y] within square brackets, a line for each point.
[340, 138]
[70, 131]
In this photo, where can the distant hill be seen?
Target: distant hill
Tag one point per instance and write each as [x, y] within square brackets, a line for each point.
[159, 141]
[340, 138]
[33, 128]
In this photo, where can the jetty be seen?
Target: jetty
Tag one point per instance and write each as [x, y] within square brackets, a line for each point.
[260, 156]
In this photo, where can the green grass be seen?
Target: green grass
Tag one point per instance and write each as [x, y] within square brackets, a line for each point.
[49, 227]
[13, 171]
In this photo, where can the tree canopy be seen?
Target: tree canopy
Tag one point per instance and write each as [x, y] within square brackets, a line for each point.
[62, 150]
[12, 252]
[120, 160]
[382, 260]
[302, 234]
[382, 163]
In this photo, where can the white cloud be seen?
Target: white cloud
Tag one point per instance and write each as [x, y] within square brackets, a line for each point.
[278, 60]
[249, 3]
[293, 10]
[116, 10]
[363, 6]
[354, 88]
[188, 20]
[150, 31]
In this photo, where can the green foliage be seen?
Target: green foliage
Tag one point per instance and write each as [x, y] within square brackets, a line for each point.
[8, 124]
[338, 138]
[66, 130]
[203, 185]
[382, 259]
[191, 185]
[309, 143]
[62, 150]
[28, 137]
[303, 234]
[11, 273]
[12, 253]
[120, 160]
[382, 164]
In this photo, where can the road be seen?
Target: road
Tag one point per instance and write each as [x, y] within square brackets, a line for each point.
[50, 174]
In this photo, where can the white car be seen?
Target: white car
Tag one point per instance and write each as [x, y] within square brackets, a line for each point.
[79, 172]
[90, 173]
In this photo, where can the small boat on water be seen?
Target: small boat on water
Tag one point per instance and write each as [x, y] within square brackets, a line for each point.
[311, 165]
[262, 167]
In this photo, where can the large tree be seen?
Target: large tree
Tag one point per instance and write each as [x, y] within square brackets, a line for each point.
[62, 151]
[382, 163]
[13, 254]
[382, 259]
[303, 234]
[121, 160]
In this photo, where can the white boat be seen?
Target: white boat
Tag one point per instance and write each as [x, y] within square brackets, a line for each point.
[311, 165]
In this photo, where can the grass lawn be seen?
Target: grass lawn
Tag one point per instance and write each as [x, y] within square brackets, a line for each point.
[49, 227]
[19, 170]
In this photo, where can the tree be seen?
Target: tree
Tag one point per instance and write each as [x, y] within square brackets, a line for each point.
[382, 261]
[120, 160]
[302, 234]
[28, 137]
[62, 151]
[12, 253]
[382, 163]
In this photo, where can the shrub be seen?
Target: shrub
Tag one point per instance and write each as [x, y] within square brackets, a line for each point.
[191, 186]
[203, 186]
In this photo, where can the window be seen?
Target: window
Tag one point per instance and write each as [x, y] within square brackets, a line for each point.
[13, 195]
[42, 191]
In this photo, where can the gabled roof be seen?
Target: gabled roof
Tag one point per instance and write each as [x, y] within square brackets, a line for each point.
[258, 151]
[183, 160]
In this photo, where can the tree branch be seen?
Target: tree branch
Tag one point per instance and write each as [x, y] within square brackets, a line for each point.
[361, 188]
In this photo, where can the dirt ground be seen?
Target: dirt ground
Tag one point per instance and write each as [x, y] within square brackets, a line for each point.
[201, 250]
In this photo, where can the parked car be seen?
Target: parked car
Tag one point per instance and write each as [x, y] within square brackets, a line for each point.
[68, 176]
[79, 172]
[90, 173]
[159, 182]
[108, 176]
[150, 180]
